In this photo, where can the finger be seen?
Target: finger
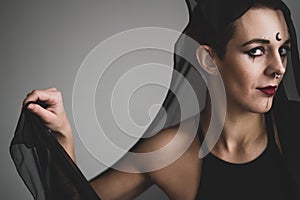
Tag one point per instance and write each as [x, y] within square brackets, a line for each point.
[28, 98]
[41, 95]
[48, 89]
[53, 89]
[33, 96]
[44, 114]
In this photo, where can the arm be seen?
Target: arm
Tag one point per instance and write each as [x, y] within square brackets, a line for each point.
[179, 180]
[114, 184]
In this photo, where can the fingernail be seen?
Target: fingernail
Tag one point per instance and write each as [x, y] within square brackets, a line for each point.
[30, 106]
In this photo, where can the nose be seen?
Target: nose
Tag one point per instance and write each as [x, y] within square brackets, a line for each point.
[276, 66]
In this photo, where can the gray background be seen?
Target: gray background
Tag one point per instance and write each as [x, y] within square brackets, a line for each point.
[43, 44]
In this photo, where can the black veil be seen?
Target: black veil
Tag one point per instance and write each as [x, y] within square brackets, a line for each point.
[49, 173]
[216, 14]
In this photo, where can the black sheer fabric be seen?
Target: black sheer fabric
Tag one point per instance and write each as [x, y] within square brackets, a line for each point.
[45, 167]
[50, 174]
[214, 15]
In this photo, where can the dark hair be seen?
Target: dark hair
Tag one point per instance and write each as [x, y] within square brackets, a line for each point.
[202, 32]
[219, 46]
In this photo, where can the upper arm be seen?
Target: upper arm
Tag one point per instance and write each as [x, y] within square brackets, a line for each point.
[180, 179]
[114, 184]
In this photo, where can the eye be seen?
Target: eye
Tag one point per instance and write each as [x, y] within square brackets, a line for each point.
[258, 51]
[283, 51]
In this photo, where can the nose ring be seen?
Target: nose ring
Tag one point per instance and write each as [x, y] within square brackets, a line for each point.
[277, 75]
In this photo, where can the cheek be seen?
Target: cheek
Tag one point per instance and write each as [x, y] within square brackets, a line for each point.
[236, 72]
[242, 76]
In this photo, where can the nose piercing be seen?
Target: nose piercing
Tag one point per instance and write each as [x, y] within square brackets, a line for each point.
[277, 75]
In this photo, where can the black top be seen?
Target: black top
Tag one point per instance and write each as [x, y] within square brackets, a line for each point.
[265, 177]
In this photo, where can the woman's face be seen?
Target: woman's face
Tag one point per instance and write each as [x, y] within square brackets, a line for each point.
[255, 56]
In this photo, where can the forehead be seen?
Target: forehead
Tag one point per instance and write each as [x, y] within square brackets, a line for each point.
[261, 22]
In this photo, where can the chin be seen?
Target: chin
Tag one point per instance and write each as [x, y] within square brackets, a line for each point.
[263, 107]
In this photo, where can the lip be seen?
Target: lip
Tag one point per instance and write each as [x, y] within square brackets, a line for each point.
[269, 90]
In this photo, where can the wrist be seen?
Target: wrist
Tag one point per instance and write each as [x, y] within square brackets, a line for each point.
[65, 138]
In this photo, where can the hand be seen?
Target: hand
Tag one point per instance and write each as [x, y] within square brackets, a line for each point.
[53, 116]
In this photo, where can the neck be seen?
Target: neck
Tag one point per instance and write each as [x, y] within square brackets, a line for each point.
[240, 128]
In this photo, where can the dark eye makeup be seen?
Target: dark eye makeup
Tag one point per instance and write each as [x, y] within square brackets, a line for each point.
[257, 51]
[284, 50]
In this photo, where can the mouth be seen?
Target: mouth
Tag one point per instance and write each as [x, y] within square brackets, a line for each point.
[269, 90]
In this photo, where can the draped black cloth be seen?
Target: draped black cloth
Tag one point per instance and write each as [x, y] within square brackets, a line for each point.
[45, 167]
[48, 171]
[215, 15]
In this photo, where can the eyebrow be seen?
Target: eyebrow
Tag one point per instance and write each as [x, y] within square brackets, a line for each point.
[288, 41]
[256, 40]
[262, 41]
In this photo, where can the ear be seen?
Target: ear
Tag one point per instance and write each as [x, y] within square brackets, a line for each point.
[204, 57]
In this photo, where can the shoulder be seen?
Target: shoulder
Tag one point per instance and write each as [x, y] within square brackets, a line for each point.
[182, 136]
[181, 176]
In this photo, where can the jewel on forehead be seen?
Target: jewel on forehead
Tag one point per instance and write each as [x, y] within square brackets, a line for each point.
[278, 37]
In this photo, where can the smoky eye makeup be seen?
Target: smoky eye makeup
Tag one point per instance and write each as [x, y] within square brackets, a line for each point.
[284, 50]
[256, 51]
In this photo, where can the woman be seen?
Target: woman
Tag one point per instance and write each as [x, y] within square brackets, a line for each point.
[247, 43]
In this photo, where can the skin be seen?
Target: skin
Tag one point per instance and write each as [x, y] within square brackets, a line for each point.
[242, 74]
[246, 67]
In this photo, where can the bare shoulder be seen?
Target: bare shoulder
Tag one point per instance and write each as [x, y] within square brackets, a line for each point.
[179, 147]
[175, 165]
[179, 134]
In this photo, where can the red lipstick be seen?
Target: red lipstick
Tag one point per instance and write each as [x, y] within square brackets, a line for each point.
[269, 90]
